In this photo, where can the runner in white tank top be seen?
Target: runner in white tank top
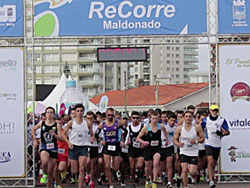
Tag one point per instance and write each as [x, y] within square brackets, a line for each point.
[187, 137]
[79, 133]
[80, 136]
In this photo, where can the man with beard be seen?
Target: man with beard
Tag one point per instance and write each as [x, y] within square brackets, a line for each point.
[111, 142]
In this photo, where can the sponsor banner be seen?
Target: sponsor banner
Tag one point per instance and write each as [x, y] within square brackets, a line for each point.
[112, 17]
[11, 18]
[12, 152]
[235, 104]
[233, 16]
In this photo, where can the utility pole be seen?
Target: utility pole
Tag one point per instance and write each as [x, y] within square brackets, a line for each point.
[125, 95]
[156, 92]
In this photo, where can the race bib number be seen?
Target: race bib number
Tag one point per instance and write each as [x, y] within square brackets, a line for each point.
[136, 145]
[111, 148]
[187, 144]
[80, 136]
[125, 150]
[154, 143]
[61, 150]
[50, 146]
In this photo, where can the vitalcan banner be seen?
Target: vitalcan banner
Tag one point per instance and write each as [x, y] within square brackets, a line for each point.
[112, 17]
[12, 153]
[235, 104]
[11, 18]
[233, 16]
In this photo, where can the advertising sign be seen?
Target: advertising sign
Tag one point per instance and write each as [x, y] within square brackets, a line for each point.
[235, 104]
[112, 17]
[12, 153]
[11, 18]
[233, 16]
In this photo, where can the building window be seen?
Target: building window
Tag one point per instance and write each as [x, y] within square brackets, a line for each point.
[69, 57]
[51, 57]
[55, 68]
[177, 69]
[177, 76]
[177, 62]
[168, 68]
[177, 55]
[38, 69]
[177, 48]
[47, 80]
[47, 69]
[168, 62]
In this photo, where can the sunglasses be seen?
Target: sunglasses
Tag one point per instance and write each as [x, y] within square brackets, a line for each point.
[135, 117]
[110, 115]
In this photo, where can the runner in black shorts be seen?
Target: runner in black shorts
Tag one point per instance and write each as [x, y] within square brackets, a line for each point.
[187, 137]
[111, 143]
[135, 150]
[167, 154]
[152, 147]
[50, 133]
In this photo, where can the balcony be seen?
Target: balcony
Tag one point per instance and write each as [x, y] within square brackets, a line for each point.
[88, 70]
[86, 60]
[89, 83]
[191, 66]
[86, 49]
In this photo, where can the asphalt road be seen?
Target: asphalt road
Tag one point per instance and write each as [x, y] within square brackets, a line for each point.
[164, 186]
[128, 185]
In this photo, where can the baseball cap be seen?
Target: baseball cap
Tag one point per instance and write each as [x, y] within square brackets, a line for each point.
[214, 107]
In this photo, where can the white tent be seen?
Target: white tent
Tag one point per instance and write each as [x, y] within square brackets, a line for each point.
[54, 97]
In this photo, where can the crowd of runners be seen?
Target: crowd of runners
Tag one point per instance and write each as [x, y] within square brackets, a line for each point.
[153, 147]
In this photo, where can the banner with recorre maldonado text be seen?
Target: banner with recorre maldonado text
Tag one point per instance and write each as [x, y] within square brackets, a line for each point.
[123, 17]
[12, 153]
[234, 78]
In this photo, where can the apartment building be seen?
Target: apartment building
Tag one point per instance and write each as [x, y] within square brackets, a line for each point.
[170, 61]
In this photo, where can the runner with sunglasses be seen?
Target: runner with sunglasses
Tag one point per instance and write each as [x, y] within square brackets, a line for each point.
[112, 142]
[135, 151]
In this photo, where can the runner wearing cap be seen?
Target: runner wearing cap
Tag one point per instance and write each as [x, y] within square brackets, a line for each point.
[215, 128]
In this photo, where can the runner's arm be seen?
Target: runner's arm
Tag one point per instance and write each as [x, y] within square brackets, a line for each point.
[37, 126]
[66, 129]
[97, 133]
[200, 134]
[177, 136]
[141, 134]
